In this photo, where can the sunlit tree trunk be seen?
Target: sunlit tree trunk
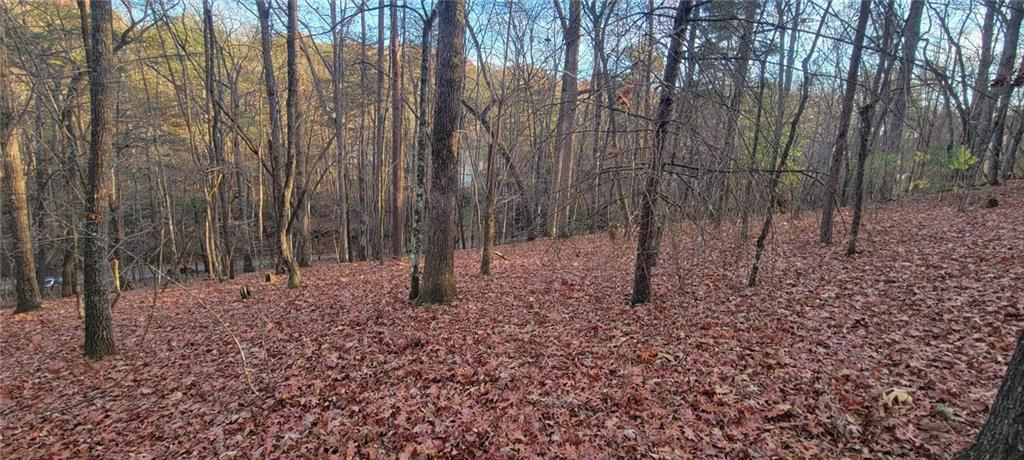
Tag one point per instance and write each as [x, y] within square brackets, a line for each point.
[26, 287]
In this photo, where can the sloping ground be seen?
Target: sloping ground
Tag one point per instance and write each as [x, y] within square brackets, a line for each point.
[544, 358]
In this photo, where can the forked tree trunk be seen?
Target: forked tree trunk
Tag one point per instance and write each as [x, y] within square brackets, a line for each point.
[439, 263]
[1002, 88]
[1002, 435]
[99, 327]
[845, 113]
[646, 250]
[294, 139]
[566, 118]
[981, 99]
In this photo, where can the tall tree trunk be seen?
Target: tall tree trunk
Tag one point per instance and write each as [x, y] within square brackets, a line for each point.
[898, 108]
[564, 130]
[981, 99]
[1002, 87]
[422, 144]
[397, 138]
[845, 113]
[337, 80]
[220, 176]
[646, 250]
[99, 327]
[1010, 159]
[26, 286]
[1002, 435]
[739, 84]
[380, 118]
[439, 252]
[275, 142]
[294, 113]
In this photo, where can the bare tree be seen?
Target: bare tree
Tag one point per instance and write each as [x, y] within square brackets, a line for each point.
[566, 117]
[646, 250]
[338, 99]
[845, 113]
[1002, 88]
[420, 162]
[397, 140]
[439, 252]
[99, 327]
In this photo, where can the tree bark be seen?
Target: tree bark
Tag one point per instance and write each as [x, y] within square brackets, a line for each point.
[566, 124]
[439, 252]
[867, 114]
[337, 79]
[1002, 87]
[981, 105]
[1002, 435]
[397, 139]
[422, 144]
[845, 113]
[294, 113]
[26, 287]
[646, 250]
[99, 328]
[220, 176]
[898, 108]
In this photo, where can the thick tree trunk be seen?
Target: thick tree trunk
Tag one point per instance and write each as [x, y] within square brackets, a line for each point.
[646, 250]
[439, 261]
[26, 286]
[99, 328]
[845, 113]
[1002, 435]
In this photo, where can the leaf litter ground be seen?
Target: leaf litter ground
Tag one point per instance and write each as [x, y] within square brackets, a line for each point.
[893, 353]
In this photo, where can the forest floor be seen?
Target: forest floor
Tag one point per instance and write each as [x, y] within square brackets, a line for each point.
[893, 353]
